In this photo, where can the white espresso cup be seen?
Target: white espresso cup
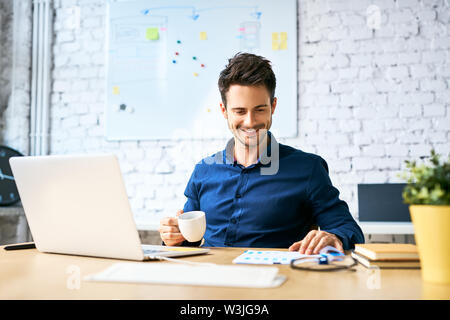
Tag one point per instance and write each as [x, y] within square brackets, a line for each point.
[192, 225]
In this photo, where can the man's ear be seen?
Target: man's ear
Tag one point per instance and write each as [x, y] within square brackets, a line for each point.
[274, 105]
[223, 109]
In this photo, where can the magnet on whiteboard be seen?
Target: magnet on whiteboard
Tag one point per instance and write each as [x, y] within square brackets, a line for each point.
[195, 74]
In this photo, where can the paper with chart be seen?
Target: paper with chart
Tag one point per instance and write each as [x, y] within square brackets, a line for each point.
[164, 60]
[267, 257]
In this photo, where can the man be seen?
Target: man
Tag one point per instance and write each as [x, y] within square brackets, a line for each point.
[248, 207]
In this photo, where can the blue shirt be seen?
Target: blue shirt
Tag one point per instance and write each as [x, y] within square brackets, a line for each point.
[245, 208]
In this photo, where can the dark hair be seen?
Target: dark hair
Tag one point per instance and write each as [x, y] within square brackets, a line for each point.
[249, 70]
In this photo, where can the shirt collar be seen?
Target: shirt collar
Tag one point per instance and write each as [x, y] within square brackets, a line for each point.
[228, 152]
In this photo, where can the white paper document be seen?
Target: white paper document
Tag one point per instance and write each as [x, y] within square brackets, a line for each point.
[168, 273]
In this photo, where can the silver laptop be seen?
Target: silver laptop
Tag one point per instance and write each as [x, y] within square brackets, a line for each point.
[77, 204]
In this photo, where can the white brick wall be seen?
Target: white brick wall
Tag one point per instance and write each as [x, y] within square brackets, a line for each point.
[6, 9]
[15, 74]
[369, 99]
[391, 89]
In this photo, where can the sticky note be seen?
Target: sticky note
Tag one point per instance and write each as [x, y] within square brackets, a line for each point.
[275, 41]
[152, 34]
[279, 40]
[116, 90]
[195, 74]
[203, 35]
[275, 45]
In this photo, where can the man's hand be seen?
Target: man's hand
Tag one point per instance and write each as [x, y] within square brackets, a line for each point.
[315, 241]
[169, 231]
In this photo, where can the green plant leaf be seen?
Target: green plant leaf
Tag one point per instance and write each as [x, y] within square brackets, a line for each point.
[427, 183]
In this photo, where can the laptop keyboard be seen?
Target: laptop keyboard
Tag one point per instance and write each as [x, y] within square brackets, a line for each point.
[151, 251]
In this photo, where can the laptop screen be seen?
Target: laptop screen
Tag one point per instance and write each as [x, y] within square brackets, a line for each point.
[382, 203]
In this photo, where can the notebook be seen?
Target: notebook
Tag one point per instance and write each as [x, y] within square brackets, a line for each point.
[387, 251]
[394, 264]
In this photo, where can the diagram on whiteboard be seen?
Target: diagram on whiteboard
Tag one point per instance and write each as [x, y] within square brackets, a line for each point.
[165, 57]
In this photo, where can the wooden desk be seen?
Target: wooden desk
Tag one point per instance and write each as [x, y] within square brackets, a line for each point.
[29, 274]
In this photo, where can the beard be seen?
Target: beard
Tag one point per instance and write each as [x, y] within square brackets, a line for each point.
[251, 137]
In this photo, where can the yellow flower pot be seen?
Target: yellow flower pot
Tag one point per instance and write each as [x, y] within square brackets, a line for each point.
[432, 234]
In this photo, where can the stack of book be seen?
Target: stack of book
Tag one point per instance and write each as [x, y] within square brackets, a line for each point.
[387, 255]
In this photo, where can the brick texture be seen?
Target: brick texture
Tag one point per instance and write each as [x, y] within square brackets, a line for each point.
[371, 95]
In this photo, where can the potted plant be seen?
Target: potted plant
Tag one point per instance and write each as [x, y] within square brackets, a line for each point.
[427, 193]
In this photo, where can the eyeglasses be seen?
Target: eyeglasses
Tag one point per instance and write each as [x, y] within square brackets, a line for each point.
[328, 259]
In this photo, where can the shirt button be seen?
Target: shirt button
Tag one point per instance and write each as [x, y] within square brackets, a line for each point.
[238, 195]
[233, 220]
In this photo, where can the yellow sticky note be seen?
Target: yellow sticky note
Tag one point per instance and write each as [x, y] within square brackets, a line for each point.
[203, 35]
[116, 90]
[283, 36]
[275, 45]
[152, 34]
[283, 45]
[195, 74]
[274, 36]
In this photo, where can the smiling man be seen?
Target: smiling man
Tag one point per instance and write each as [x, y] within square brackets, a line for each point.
[258, 192]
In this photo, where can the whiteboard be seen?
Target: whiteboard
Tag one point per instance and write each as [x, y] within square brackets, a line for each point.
[164, 58]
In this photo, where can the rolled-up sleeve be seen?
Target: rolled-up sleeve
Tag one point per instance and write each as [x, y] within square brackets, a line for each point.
[192, 204]
[191, 193]
[330, 213]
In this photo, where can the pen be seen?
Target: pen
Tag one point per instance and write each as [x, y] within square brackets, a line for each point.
[30, 245]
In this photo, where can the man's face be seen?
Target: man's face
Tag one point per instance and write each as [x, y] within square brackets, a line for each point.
[248, 113]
